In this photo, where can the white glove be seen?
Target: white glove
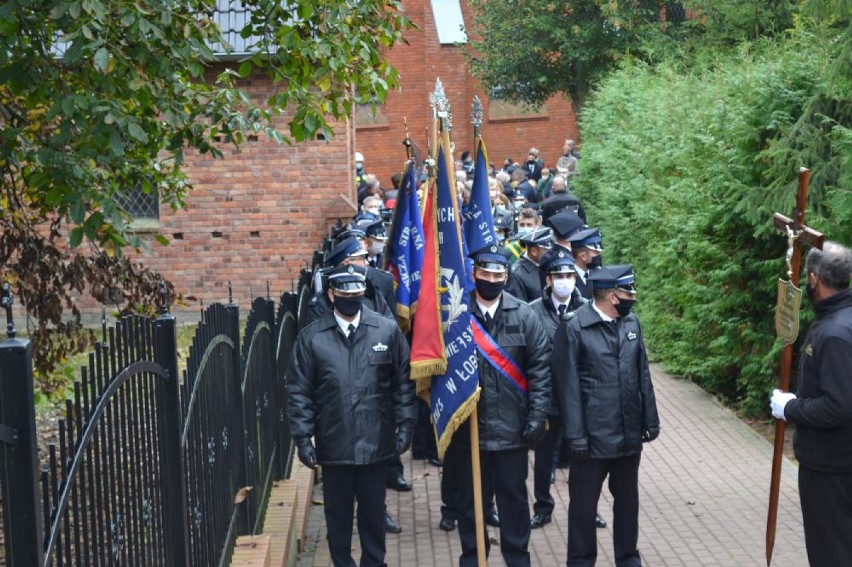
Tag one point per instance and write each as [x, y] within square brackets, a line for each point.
[779, 401]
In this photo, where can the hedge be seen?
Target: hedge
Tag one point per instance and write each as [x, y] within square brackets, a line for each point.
[682, 168]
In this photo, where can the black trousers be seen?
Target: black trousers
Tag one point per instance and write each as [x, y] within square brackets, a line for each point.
[395, 469]
[584, 489]
[451, 481]
[509, 471]
[545, 452]
[827, 514]
[423, 445]
[342, 485]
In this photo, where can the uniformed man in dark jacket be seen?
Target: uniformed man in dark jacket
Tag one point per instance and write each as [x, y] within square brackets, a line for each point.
[821, 408]
[608, 409]
[564, 225]
[512, 407]
[587, 247]
[348, 251]
[560, 297]
[349, 389]
[525, 281]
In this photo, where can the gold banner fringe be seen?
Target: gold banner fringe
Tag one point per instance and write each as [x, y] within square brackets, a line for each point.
[458, 418]
[428, 368]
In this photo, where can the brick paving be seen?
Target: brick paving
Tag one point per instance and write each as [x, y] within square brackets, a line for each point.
[703, 492]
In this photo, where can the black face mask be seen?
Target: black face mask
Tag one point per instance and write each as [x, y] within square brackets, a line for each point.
[489, 290]
[624, 307]
[595, 262]
[348, 306]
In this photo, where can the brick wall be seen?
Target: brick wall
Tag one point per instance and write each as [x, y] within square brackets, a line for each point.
[256, 215]
[419, 64]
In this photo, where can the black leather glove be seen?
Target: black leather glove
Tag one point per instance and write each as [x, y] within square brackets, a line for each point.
[650, 434]
[533, 432]
[403, 438]
[306, 452]
[579, 449]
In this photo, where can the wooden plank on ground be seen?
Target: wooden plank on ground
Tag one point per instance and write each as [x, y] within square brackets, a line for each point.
[305, 478]
[252, 551]
[280, 522]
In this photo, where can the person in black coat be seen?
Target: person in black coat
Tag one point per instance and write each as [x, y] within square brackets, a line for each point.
[560, 297]
[560, 199]
[348, 251]
[608, 408]
[349, 390]
[525, 280]
[586, 246]
[511, 411]
[821, 408]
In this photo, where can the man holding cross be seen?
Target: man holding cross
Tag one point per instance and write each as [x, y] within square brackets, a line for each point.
[822, 408]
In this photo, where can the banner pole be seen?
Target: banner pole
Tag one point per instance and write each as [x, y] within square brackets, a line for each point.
[477, 489]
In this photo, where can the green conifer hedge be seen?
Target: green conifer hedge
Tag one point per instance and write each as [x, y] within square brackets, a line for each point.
[682, 168]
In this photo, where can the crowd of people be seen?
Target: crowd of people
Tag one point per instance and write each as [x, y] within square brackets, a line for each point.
[578, 392]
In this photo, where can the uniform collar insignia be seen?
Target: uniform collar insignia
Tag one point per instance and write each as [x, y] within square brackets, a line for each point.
[631, 336]
[379, 347]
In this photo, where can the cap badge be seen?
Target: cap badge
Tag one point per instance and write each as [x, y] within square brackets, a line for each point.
[561, 254]
[493, 249]
[351, 270]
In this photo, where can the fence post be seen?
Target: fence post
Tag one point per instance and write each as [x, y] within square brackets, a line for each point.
[174, 488]
[237, 384]
[22, 518]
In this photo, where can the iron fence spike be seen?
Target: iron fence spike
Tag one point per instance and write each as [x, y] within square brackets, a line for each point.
[7, 303]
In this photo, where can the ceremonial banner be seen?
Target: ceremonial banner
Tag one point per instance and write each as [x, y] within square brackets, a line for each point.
[427, 341]
[454, 393]
[478, 226]
[405, 256]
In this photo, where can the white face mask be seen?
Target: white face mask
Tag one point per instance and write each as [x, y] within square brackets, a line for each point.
[563, 287]
[524, 230]
[377, 247]
[374, 211]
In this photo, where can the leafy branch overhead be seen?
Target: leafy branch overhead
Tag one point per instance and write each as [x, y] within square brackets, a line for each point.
[99, 98]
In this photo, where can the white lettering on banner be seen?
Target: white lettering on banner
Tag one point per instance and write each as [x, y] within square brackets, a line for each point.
[468, 369]
[446, 214]
[402, 268]
[403, 236]
[451, 386]
[436, 413]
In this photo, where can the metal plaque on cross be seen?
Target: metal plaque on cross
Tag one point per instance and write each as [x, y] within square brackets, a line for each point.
[787, 311]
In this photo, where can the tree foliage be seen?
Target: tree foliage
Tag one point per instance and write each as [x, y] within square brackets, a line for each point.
[535, 49]
[683, 166]
[97, 98]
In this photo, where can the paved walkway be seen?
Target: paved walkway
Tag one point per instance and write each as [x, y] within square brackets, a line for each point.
[703, 492]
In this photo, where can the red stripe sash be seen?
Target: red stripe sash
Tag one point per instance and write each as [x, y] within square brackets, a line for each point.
[497, 357]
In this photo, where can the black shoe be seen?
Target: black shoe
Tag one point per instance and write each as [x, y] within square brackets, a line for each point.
[435, 462]
[600, 522]
[539, 520]
[399, 484]
[391, 526]
[491, 518]
[447, 524]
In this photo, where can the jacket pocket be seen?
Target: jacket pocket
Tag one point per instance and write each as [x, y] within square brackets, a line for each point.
[378, 358]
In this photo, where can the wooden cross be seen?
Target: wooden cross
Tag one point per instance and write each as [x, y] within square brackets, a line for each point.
[797, 233]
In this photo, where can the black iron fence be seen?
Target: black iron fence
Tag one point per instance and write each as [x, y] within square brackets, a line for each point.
[151, 469]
